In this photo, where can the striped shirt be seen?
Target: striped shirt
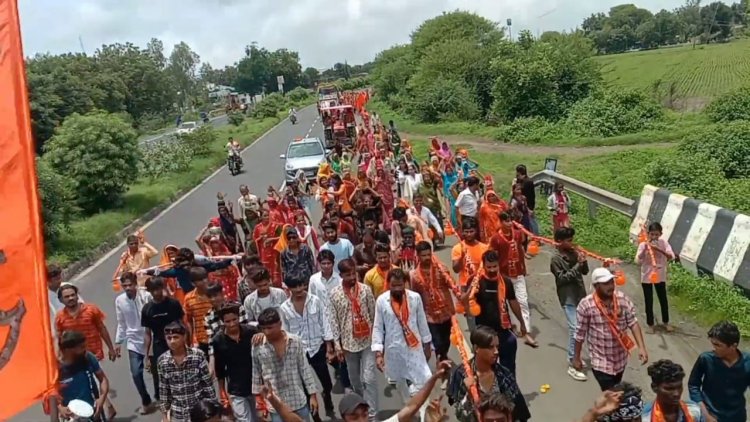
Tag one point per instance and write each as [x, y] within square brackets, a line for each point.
[89, 321]
[197, 307]
[312, 327]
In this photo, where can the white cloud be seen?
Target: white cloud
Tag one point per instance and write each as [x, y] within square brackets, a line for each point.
[322, 31]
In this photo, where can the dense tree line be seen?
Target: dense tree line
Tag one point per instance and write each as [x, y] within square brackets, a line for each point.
[460, 66]
[627, 26]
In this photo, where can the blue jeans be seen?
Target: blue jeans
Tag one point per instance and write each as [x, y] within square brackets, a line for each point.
[570, 315]
[136, 370]
[303, 413]
[534, 225]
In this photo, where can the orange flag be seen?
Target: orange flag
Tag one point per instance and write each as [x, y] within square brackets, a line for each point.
[28, 368]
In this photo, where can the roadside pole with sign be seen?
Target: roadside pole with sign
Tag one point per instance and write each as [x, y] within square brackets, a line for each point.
[280, 81]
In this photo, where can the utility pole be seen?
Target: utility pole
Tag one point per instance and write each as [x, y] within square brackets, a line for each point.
[509, 24]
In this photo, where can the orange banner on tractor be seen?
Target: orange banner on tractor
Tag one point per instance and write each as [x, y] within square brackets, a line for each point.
[28, 368]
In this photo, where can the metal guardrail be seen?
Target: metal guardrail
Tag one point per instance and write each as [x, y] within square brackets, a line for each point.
[595, 196]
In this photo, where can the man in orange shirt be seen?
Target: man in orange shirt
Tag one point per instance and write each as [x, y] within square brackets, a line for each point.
[197, 306]
[88, 319]
[466, 258]
[137, 256]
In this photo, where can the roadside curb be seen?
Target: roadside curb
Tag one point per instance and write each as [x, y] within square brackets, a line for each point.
[106, 246]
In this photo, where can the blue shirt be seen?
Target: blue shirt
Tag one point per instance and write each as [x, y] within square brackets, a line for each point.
[721, 387]
[182, 274]
[692, 408]
[78, 382]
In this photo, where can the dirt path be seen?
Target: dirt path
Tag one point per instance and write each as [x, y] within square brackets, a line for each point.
[487, 145]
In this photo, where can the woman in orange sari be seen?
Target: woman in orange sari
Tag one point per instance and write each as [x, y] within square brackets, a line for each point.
[226, 277]
[489, 215]
[173, 287]
[265, 235]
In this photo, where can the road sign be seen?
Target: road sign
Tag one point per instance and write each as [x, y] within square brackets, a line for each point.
[280, 79]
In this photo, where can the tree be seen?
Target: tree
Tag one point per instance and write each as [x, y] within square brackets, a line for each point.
[392, 70]
[99, 152]
[717, 19]
[183, 65]
[545, 79]
[342, 70]
[253, 71]
[310, 76]
[455, 25]
[58, 200]
[283, 62]
[155, 49]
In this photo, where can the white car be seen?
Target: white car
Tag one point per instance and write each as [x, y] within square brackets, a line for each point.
[304, 154]
[187, 127]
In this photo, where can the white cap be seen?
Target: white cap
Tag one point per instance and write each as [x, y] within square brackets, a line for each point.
[601, 275]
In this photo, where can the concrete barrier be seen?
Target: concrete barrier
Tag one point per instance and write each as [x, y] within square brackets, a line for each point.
[709, 240]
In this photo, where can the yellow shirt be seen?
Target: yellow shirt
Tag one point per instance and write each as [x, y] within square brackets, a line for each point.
[375, 280]
[139, 261]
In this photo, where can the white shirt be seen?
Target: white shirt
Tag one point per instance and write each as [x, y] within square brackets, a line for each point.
[255, 305]
[312, 326]
[428, 217]
[401, 361]
[468, 203]
[249, 202]
[320, 286]
[342, 250]
[128, 312]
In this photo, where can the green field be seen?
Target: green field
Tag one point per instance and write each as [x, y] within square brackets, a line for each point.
[701, 73]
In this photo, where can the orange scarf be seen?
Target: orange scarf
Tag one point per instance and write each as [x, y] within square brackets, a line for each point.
[514, 256]
[360, 326]
[623, 338]
[433, 289]
[401, 310]
[657, 414]
[384, 275]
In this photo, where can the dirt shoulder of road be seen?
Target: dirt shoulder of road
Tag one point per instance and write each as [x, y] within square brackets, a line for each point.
[484, 145]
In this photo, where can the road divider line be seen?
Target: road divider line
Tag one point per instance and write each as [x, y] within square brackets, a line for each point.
[179, 200]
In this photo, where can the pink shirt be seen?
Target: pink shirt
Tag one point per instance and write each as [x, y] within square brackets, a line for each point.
[659, 264]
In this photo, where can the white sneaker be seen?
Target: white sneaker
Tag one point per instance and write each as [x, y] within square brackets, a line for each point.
[576, 374]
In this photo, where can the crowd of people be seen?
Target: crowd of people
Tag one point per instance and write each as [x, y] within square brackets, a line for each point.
[274, 310]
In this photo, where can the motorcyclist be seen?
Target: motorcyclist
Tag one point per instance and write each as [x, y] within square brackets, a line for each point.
[233, 150]
[293, 115]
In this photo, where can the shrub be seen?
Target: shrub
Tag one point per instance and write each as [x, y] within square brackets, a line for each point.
[269, 106]
[734, 105]
[58, 200]
[99, 152]
[615, 112]
[199, 141]
[236, 118]
[698, 175]
[441, 99]
[728, 144]
[168, 155]
[298, 94]
[529, 130]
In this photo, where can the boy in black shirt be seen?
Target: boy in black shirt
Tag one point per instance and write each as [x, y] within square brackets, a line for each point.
[232, 347]
[494, 293]
[156, 315]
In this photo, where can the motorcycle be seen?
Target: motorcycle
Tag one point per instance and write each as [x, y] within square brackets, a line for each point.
[293, 118]
[234, 163]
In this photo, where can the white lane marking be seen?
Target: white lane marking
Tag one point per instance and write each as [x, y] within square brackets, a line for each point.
[109, 254]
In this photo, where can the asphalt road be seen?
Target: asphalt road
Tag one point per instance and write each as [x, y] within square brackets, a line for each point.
[565, 401]
[215, 121]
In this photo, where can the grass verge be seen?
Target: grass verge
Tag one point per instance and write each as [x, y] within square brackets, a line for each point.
[87, 234]
[677, 126]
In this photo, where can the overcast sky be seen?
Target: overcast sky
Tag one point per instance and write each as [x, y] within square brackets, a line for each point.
[322, 33]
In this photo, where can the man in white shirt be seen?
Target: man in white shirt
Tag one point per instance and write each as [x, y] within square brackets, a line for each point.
[304, 315]
[401, 338]
[247, 201]
[468, 200]
[426, 215]
[128, 307]
[326, 279]
[342, 248]
[265, 296]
